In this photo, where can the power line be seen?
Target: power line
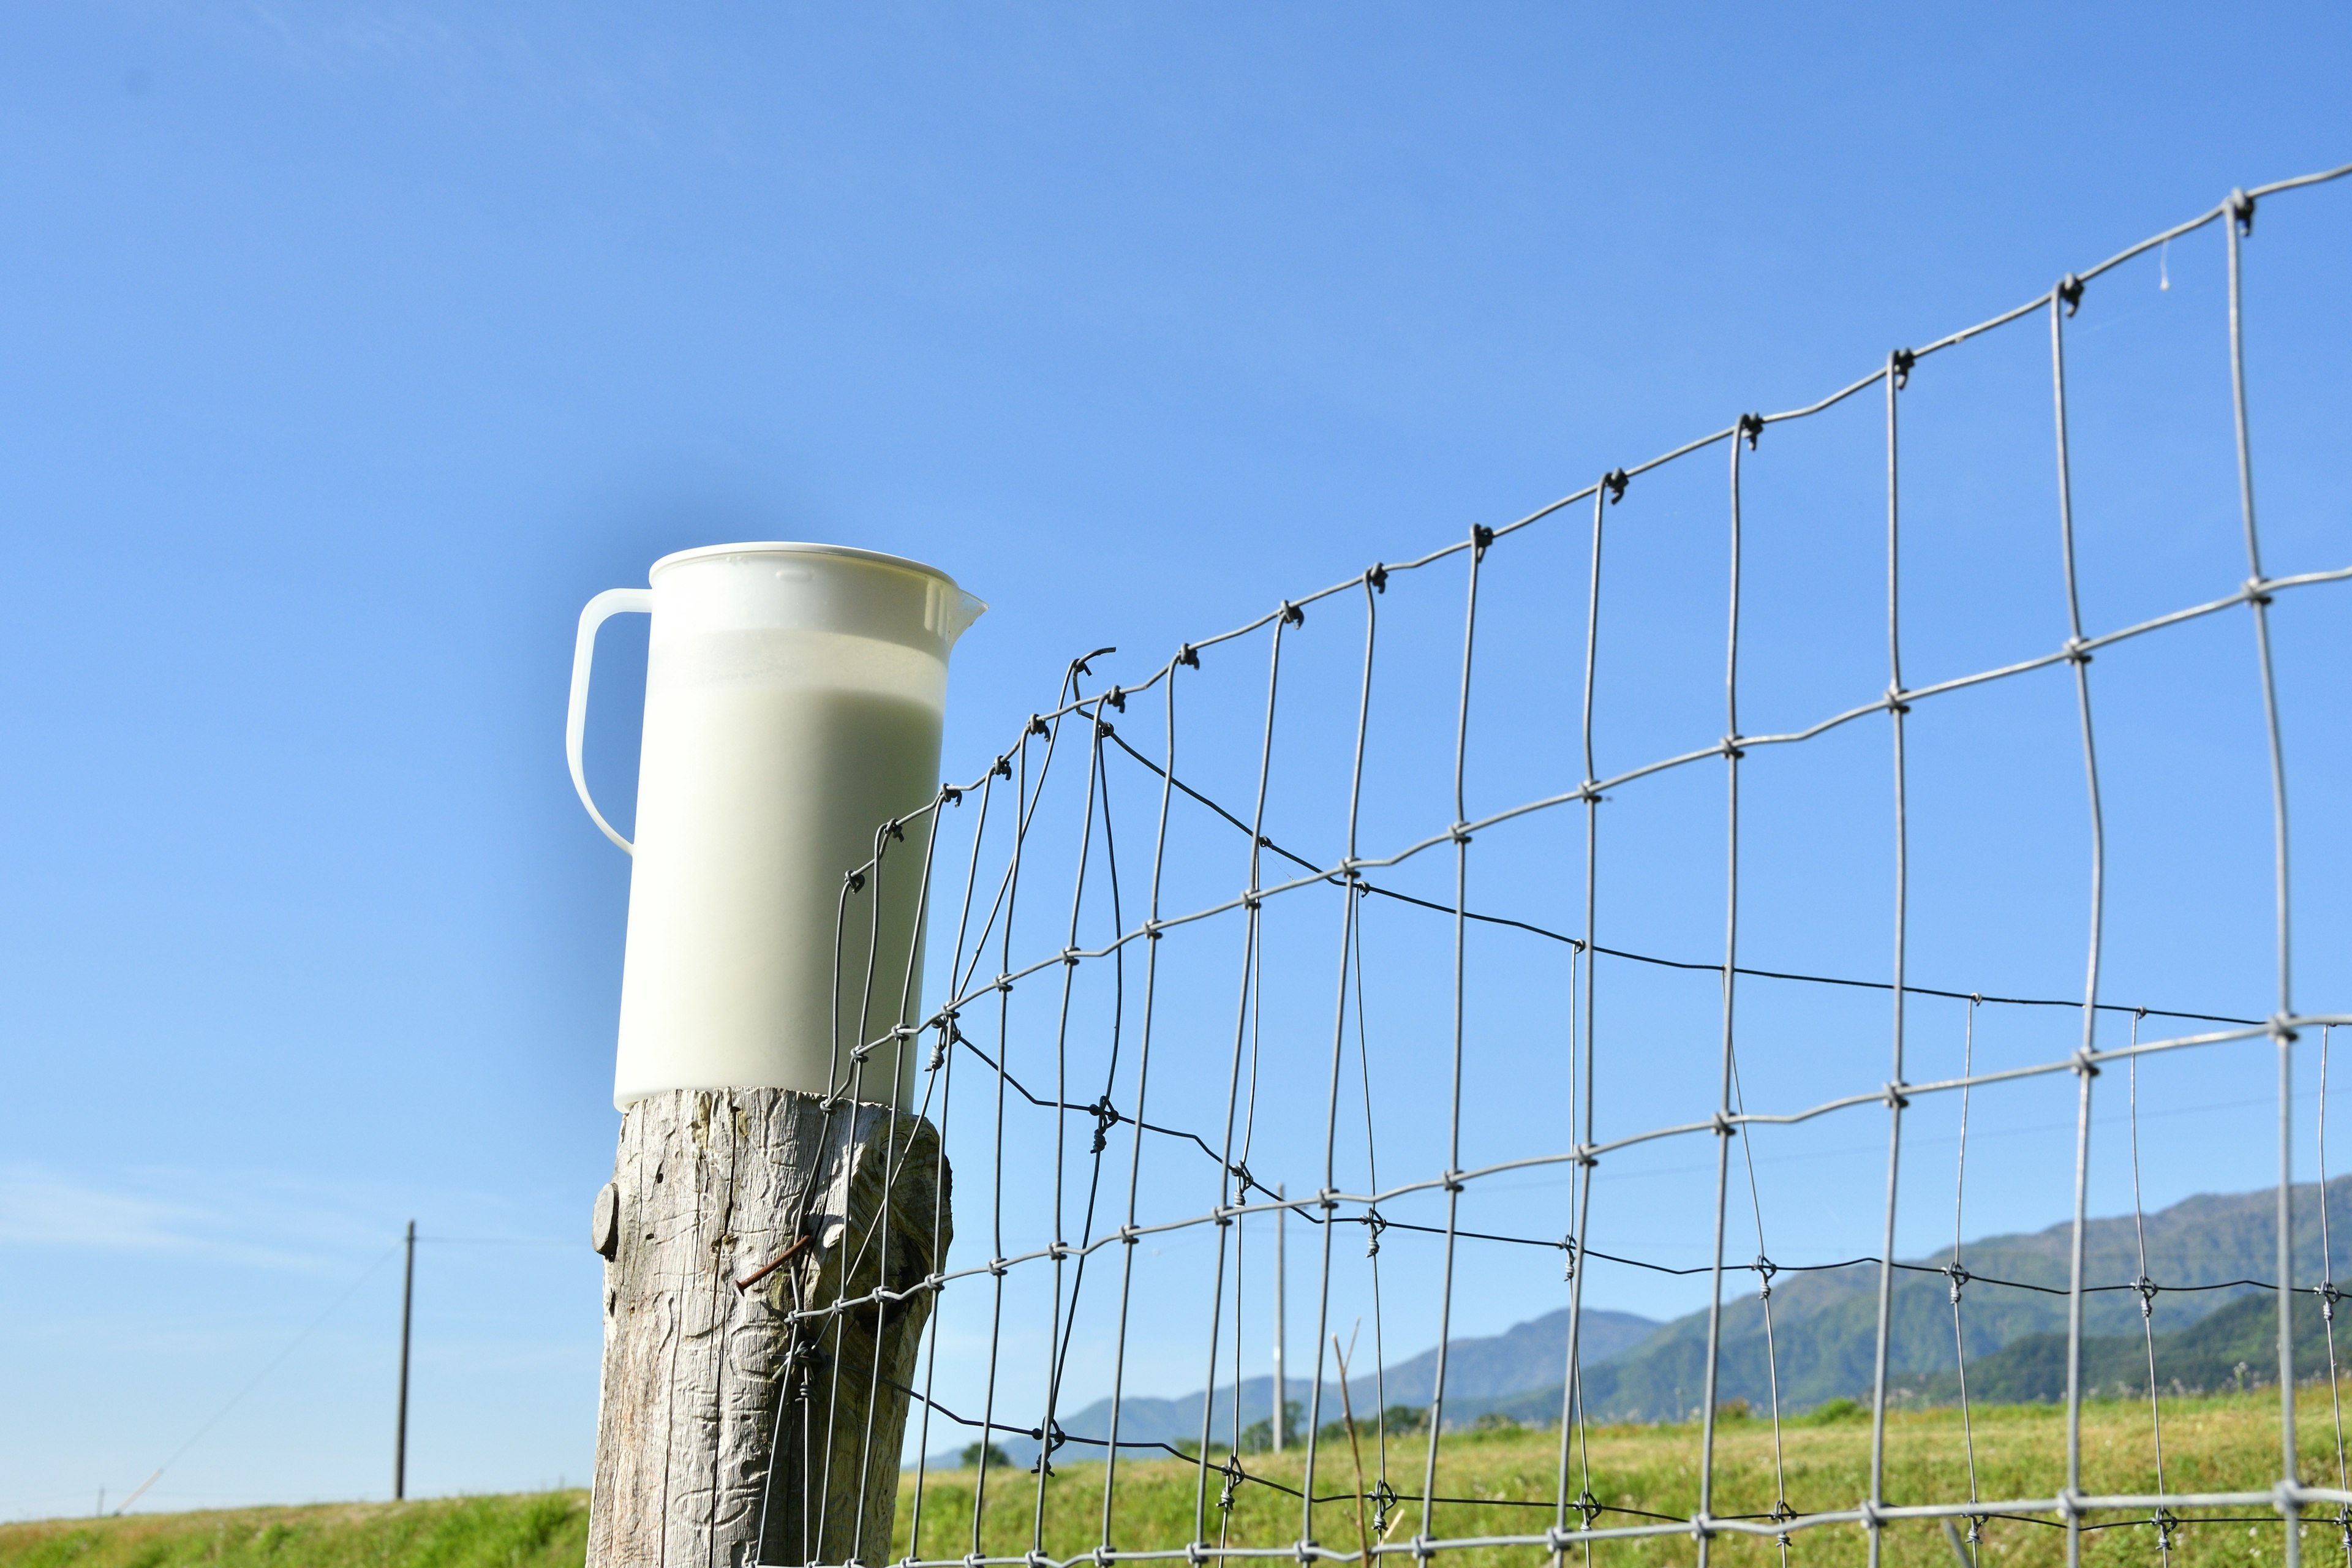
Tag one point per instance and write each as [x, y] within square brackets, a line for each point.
[271, 1365]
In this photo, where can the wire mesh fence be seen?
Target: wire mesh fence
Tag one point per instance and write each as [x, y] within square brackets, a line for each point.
[1316, 937]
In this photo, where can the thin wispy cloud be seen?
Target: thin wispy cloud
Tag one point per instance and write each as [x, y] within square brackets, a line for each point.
[169, 1213]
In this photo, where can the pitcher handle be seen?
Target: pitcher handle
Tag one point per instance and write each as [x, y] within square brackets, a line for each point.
[602, 607]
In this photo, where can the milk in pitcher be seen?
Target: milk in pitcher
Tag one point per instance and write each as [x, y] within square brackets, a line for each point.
[778, 740]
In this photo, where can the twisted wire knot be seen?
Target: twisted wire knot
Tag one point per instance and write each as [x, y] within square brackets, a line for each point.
[1106, 1117]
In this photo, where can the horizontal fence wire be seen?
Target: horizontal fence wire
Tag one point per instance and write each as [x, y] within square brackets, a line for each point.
[1082, 744]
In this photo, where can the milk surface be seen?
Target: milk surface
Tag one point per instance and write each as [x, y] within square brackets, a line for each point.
[771, 759]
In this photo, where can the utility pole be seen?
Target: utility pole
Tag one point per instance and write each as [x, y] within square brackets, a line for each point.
[400, 1438]
[1281, 1388]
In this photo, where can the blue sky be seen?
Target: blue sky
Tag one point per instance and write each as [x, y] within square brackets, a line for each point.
[348, 352]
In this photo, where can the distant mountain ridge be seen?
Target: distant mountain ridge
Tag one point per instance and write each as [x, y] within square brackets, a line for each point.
[2232, 1346]
[1825, 1331]
[1478, 1371]
[1825, 1325]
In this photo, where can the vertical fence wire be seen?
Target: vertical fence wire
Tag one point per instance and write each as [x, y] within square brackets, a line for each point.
[2063, 300]
[2144, 1289]
[1583, 1168]
[1058, 1253]
[2239, 222]
[943, 1069]
[1383, 1496]
[1128, 1239]
[1105, 1113]
[2329, 1297]
[1749, 426]
[1024, 809]
[1897, 708]
[1726, 1129]
[1481, 538]
[1957, 1278]
[1327, 1203]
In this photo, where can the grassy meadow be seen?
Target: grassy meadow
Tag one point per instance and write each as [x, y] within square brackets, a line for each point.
[2227, 1442]
[543, 1529]
[2222, 1441]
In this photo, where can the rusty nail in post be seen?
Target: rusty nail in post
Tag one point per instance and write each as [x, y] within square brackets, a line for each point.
[770, 1266]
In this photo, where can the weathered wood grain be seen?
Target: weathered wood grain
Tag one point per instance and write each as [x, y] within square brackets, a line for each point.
[709, 1186]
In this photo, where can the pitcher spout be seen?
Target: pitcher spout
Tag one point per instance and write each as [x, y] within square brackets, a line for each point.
[957, 615]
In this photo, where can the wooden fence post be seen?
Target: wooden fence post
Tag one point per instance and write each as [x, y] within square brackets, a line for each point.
[711, 1189]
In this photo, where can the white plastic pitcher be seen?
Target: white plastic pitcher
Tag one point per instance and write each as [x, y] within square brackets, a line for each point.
[794, 698]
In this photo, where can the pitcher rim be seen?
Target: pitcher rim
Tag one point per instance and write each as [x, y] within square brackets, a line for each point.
[798, 547]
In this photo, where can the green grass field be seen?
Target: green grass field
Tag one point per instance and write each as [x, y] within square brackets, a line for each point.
[2224, 1442]
[546, 1529]
[2221, 1443]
